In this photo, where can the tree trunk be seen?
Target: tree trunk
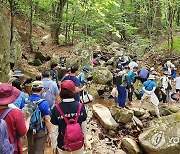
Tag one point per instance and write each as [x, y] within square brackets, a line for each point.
[178, 16]
[170, 21]
[66, 29]
[30, 24]
[158, 15]
[57, 19]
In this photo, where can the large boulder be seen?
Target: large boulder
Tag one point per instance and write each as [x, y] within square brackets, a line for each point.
[104, 116]
[130, 145]
[85, 54]
[92, 89]
[4, 47]
[121, 115]
[162, 135]
[86, 58]
[101, 75]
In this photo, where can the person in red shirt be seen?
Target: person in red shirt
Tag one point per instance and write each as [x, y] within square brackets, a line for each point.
[16, 125]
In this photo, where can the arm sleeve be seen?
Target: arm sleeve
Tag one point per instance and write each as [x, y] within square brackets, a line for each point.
[44, 108]
[20, 124]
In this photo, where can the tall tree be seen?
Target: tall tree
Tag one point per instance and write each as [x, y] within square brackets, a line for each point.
[57, 12]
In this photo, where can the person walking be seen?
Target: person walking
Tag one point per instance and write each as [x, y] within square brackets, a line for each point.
[166, 83]
[177, 80]
[20, 101]
[143, 75]
[131, 77]
[51, 91]
[54, 73]
[149, 87]
[40, 126]
[72, 77]
[15, 126]
[125, 83]
[69, 111]
[82, 76]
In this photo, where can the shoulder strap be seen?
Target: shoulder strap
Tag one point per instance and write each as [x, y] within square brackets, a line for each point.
[5, 113]
[40, 101]
[61, 112]
[78, 112]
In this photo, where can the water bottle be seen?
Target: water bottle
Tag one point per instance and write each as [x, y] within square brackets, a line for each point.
[24, 109]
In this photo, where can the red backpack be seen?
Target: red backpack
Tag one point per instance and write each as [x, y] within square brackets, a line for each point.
[74, 137]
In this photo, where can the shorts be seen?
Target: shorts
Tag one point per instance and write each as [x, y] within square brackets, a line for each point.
[177, 90]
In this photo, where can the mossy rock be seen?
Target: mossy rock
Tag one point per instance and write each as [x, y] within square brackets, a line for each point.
[101, 75]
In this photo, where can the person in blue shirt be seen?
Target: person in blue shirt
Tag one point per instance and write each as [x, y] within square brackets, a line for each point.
[131, 77]
[20, 101]
[82, 76]
[37, 139]
[149, 87]
[51, 91]
[54, 73]
[72, 77]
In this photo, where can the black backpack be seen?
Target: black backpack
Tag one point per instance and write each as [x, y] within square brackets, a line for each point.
[117, 79]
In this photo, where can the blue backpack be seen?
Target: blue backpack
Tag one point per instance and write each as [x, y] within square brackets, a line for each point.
[5, 146]
[36, 121]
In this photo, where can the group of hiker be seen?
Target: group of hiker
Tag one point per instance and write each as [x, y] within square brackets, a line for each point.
[159, 87]
[52, 114]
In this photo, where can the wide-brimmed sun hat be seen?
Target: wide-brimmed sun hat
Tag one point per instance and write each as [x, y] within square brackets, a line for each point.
[8, 94]
[151, 77]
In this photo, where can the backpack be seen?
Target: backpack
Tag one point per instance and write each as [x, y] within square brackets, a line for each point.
[117, 79]
[5, 146]
[36, 121]
[73, 137]
[48, 95]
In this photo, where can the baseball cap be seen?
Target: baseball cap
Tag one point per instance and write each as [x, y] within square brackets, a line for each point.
[37, 84]
[68, 85]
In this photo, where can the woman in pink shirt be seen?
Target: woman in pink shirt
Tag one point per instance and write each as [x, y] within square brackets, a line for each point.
[15, 124]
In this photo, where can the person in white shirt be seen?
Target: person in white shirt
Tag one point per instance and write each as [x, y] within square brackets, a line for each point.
[133, 64]
[177, 80]
[166, 85]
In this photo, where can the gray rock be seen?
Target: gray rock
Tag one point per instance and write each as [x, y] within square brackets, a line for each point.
[130, 145]
[16, 50]
[120, 152]
[162, 135]
[137, 121]
[121, 115]
[101, 75]
[104, 116]
[138, 112]
[4, 47]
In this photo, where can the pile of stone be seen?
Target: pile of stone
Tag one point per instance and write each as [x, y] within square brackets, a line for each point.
[131, 130]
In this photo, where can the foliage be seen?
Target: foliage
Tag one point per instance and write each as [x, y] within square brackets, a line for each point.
[105, 20]
[176, 45]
